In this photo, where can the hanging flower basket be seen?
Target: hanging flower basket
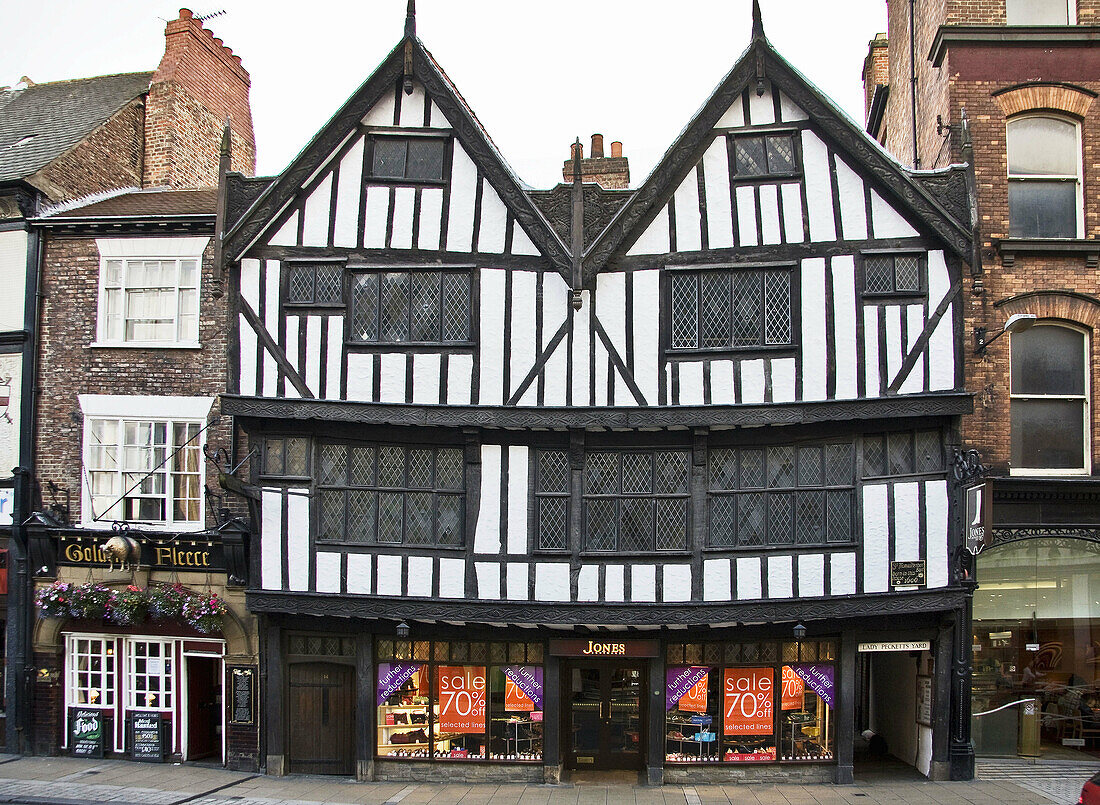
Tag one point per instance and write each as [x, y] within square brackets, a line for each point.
[203, 612]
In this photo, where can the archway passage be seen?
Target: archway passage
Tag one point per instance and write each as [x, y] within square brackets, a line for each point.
[322, 718]
[1036, 635]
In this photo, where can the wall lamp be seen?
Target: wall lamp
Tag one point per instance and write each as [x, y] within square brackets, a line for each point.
[1017, 323]
[402, 629]
[799, 632]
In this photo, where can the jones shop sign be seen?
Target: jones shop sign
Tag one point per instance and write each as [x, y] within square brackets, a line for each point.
[182, 554]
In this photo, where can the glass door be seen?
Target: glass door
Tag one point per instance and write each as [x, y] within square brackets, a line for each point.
[606, 719]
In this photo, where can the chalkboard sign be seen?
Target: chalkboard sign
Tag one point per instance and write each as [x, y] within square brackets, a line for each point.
[86, 733]
[242, 695]
[147, 736]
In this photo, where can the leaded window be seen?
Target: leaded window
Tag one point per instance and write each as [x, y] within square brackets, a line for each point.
[743, 308]
[390, 494]
[767, 155]
[429, 307]
[902, 453]
[552, 476]
[781, 495]
[416, 159]
[892, 274]
[315, 284]
[286, 456]
[636, 501]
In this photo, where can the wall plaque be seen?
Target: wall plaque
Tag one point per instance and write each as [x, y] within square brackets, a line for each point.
[900, 645]
[908, 574]
[242, 695]
[147, 735]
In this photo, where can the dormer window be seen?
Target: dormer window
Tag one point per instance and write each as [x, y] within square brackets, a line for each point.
[767, 155]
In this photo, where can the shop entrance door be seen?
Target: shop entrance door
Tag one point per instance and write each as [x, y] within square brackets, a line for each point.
[204, 712]
[322, 718]
[606, 718]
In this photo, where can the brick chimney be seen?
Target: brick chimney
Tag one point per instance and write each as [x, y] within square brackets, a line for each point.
[611, 173]
[198, 85]
[876, 70]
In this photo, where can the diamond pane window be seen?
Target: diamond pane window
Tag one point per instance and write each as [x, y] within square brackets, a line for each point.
[718, 309]
[420, 159]
[315, 284]
[391, 494]
[636, 501]
[552, 482]
[410, 307]
[893, 274]
[763, 156]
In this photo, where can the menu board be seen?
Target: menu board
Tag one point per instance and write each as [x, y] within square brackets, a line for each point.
[86, 733]
[146, 736]
[242, 695]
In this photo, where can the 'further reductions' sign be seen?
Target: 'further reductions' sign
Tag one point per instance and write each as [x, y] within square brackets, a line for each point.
[461, 698]
[146, 736]
[747, 699]
[86, 733]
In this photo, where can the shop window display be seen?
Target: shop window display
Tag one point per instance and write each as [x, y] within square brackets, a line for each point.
[755, 702]
[459, 701]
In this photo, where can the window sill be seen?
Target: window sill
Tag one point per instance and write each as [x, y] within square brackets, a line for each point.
[739, 353]
[1045, 472]
[400, 546]
[815, 547]
[678, 554]
[144, 345]
[138, 526]
[410, 346]
[1008, 248]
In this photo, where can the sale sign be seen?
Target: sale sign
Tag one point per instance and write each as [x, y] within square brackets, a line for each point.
[695, 700]
[747, 699]
[461, 698]
[792, 695]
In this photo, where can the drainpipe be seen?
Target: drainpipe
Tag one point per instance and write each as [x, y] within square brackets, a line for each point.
[913, 77]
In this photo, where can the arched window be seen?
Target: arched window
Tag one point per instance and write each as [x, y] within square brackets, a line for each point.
[1050, 404]
[1039, 12]
[1044, 178]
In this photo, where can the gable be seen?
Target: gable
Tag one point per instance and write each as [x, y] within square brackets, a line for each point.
[328, 197]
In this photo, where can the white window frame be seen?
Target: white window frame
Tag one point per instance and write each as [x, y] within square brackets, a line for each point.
[1025, 177]
[167, 677]
[108, 693]
[1071, 13]
[1086, 416]
[132, 250]
[181, 410]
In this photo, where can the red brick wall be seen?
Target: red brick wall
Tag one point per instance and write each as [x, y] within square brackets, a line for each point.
[69, 366]
[47, 721]
[198, 85]
[110, 158]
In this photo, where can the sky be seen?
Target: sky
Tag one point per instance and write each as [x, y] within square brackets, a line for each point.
[537, 73]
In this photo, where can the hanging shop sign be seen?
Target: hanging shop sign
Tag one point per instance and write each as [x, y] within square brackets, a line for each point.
[908, 574]
[147, 735]
[977, 510]
[904, 645]
[461, 698]
[242, 693]
[180, 554]
[86, 733]
[605, 649]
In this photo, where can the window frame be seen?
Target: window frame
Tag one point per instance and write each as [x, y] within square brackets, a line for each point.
[291, 266]
[796, 170]
[318, 487]
[1084, 397]
[1024, 178]
[109, 678]
[166, 678]
[538, 495]
[668, 319]
[1071, 16]
[894, 293]
[352, 276]
[102, 336]
[374, 133]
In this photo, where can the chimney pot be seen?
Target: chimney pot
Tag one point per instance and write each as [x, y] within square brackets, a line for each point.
[597, 146]
[616, 149]
[576, 150]
[218, 42]
[185, 14]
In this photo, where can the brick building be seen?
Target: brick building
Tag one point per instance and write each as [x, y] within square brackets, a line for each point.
[129, 527]
[1016, 80]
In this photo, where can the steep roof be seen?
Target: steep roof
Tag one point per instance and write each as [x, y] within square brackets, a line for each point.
[152, 203]
[761, 62]
[40, 123]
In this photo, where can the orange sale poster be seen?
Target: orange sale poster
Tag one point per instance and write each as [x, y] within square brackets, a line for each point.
[695, 700]
[747, 695]
[793, 690]
[515, 700]
[461, 698]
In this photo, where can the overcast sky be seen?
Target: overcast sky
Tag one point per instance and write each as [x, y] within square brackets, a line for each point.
[537, 74]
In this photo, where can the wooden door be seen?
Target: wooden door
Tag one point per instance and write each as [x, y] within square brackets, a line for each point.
[321, 714]
[203, 708]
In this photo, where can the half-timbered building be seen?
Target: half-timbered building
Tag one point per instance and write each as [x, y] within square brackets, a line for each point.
[633, 480]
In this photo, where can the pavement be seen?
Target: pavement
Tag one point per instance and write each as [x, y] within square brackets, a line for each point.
[77, 781]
